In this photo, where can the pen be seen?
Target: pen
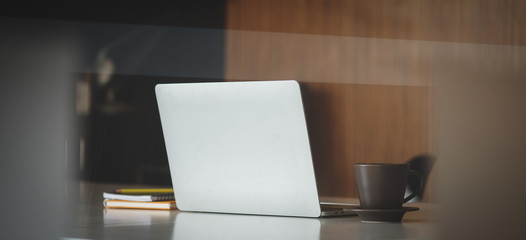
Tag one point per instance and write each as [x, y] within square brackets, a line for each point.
[144, 190]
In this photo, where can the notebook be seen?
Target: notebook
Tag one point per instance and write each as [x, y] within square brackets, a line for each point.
[158, 205]
[240, 147]
[139, 197]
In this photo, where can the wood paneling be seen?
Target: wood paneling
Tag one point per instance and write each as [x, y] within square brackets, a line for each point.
[327, 58]
[474, 21]
[368, 69]
[350, 123]
[366, 99]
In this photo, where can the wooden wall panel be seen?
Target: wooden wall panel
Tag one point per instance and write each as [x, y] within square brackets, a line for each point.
[474, 21]
[368, 69]
[326, 58]
[351, 123]
[366, 100]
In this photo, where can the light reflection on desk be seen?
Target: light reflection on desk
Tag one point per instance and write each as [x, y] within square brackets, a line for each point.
[152, 224]
[135, 217]
[190, 225]
[230, 226]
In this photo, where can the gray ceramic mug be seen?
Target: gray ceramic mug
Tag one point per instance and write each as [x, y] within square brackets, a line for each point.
[383, 185]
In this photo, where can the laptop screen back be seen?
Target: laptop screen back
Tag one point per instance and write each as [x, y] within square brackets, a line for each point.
[239, 147]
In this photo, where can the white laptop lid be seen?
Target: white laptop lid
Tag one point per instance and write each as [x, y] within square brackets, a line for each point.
[239, 147]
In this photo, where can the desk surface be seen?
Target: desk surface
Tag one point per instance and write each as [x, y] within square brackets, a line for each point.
[92, 221]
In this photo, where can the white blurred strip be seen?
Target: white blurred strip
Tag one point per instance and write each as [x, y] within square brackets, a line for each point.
[338, 59]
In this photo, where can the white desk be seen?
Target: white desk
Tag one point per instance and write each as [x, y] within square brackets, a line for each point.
[92, 221]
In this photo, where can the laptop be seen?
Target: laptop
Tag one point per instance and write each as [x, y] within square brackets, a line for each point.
[240, 147]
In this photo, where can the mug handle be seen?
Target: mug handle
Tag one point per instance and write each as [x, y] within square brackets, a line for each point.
[419, 176]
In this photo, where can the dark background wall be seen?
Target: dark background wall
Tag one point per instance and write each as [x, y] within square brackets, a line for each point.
[123, 51]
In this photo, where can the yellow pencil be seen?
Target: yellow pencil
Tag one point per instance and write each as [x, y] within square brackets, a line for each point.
[144, 190]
